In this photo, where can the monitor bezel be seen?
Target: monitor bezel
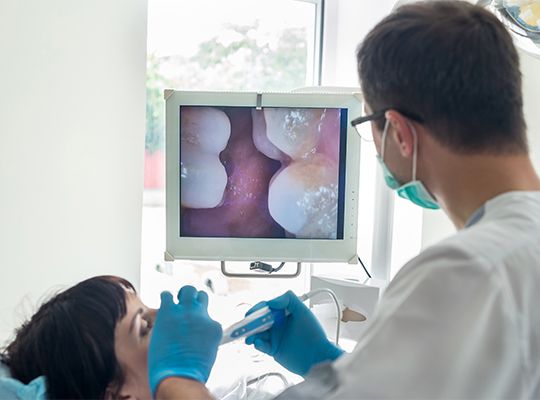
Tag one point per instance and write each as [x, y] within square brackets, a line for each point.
[268, 249]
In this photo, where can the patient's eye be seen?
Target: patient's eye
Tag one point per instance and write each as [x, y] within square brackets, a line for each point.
[146, 325]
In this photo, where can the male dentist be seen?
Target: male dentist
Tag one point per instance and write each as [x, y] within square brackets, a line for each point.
[442, 87]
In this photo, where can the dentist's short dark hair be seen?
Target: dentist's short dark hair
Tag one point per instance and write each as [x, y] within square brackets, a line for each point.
[453, 64]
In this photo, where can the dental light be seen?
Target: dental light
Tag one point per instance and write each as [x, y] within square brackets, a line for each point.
[522, 19]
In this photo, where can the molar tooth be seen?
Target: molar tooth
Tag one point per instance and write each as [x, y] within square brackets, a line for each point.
[260, 138]
[294, 131]
[303, 198]
[205, 132]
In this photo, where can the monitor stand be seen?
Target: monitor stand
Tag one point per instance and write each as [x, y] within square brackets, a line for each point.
[264, 273]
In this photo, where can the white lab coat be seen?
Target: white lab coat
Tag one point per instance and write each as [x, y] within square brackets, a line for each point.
[460, 321]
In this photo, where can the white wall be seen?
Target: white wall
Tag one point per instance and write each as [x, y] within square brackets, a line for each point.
[530, 68]
[436, 225]
[72, 117]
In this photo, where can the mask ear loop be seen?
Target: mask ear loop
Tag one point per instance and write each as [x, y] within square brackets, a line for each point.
[383, 140]
[415, 146]
[415, 151]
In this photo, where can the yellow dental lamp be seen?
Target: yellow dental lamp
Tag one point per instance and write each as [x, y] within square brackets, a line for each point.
[522, 18]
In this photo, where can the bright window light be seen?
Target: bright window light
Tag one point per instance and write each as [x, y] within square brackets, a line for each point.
[262, 45]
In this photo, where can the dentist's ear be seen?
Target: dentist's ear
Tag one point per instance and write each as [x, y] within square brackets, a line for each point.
[400, 132]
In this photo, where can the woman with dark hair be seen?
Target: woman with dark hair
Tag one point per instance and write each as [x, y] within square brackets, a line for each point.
[87, 342]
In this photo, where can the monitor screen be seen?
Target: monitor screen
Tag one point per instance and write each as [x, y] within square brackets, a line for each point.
[270, 177]
[277, 172]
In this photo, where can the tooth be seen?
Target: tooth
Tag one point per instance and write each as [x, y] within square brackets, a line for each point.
[303, 197]
[203, 179]
[205, 132]
[261, 141]
[294, 131]
[330, 133]
[206, 128]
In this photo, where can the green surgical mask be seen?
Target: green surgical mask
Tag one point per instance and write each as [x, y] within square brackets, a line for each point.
[414, 191]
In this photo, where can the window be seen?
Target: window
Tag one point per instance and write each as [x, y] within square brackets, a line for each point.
[263, 45]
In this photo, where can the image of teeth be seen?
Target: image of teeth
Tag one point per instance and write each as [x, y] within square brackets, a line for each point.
[303, 198]
[261, 141]
[205, 132]
[294, 131]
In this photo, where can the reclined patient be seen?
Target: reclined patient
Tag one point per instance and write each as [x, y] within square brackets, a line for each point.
[90, 342]
[87, 342]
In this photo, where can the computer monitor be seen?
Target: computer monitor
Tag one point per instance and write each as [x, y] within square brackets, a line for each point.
[271, 176]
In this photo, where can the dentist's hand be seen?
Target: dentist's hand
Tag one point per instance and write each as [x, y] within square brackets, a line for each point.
[299, 342]
[184, 339]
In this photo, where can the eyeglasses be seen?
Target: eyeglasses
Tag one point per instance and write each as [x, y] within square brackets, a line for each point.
[366, 133]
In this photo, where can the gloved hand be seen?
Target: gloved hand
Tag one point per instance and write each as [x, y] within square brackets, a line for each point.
[299, 342]
[184, 339]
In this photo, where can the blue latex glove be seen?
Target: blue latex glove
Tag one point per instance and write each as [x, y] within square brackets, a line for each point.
[299, 342]
[184, 339]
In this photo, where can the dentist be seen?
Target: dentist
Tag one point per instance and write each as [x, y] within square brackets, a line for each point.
[442, 88]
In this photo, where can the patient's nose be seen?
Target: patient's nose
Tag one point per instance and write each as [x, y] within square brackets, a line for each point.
[152, 312]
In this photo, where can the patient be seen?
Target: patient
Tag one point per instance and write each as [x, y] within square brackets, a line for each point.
[89, 341]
